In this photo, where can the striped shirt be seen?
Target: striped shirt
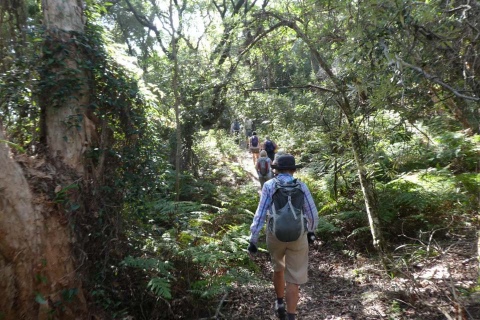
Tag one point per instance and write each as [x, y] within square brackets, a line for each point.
[266, 201]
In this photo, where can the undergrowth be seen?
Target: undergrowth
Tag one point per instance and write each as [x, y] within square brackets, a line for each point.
[185, 256]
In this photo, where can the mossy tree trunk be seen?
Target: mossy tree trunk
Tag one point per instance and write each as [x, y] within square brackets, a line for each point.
[38, 270]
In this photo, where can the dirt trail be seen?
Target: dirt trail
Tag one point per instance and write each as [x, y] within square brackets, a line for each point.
[345, 285]
[246, 161]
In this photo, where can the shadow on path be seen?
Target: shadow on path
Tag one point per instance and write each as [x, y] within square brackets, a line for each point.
[343, 286]
[246, 161]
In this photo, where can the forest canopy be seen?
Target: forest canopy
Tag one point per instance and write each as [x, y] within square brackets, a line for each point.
[124, 194]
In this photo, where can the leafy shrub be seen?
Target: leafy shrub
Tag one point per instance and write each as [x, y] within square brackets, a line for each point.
[420, 202]
[456, 151]
[469, 184]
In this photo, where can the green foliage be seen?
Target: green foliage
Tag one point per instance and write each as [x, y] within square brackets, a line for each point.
[103, 299]
[203, 260]
[203, 240]
[424, 169]
[422, 201]
[18, 84]
[326, 229]
[147, 264]
[13, 145]
[61, 195]
[455, 150]
[69, 294]
[395, 310]
[469, 183]
[40, 299]
[160, 287]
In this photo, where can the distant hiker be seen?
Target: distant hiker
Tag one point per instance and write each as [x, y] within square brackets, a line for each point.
[292, 212]
[264, 168]
[248, 127]
[270, 147]
[254, 146]
[278, 154]
[235, 128]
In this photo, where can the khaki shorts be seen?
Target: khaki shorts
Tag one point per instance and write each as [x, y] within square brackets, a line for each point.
[292, 257]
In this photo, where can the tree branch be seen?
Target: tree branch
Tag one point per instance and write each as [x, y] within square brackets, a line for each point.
[321, 61]
[436, 80]
[308, 86]
[146, 23]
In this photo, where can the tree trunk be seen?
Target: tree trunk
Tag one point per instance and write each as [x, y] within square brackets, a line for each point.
[368, 189]
[18, 241]
[38, 272]
[69, 132]
[66, 123]
[370, 198]
[36, 264]
[367, 186]
[358, 151]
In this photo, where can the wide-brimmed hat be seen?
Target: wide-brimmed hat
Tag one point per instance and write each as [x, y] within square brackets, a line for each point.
[285, 162]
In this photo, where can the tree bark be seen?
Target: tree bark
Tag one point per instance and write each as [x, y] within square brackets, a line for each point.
[69, 132]
[36, 264]
[66, 123]
[18, 240]
[38, 272]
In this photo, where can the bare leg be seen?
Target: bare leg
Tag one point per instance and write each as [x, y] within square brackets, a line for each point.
[292, 297]
[255, 158]
[279, 283]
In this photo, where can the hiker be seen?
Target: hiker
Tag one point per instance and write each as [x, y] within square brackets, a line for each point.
[278, 154]
[289, 255]
[270, 147]
[254, 146]
[263, 167]
[235, 127]
[248, 127]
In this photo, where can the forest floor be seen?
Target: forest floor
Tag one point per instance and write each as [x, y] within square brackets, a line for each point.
[346, 285]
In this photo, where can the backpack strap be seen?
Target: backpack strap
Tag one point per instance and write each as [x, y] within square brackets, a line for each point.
[291, 207]
[279, 184]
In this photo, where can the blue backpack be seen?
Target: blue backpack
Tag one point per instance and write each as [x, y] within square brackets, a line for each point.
[269, 146]
[254, 141]
[236, 126]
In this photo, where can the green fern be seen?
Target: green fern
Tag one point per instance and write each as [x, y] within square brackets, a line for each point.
[149, 264]
[161, 287]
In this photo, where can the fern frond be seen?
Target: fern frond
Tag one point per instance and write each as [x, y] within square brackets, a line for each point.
[149, 264]
[160, 287]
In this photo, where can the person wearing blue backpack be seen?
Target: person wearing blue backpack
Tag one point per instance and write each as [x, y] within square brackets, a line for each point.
[292, 220]
[235, 127]
[254, 146]
[270, 147]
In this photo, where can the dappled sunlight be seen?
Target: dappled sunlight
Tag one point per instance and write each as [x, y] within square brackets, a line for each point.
[124, 136]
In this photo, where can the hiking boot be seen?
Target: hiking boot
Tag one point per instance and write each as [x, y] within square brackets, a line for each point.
[280, 310]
